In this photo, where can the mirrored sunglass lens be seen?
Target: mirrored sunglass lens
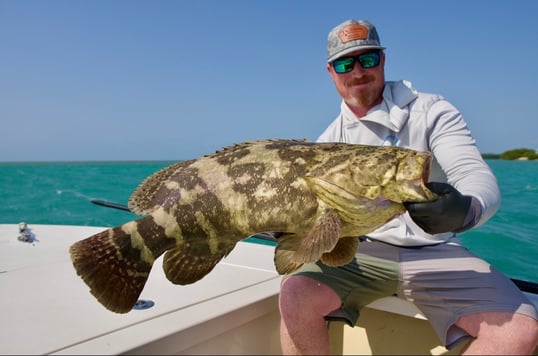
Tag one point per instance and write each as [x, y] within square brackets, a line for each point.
[369, 60]
[343, 65]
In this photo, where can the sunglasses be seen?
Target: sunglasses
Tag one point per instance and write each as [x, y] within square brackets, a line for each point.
[366, 60]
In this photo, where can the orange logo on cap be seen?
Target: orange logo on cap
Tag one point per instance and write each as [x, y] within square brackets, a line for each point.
[353, 32]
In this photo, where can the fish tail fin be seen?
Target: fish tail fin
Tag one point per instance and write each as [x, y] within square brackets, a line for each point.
[112, 267]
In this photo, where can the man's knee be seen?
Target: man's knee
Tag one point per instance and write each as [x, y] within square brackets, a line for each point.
[307, 295]
[500, 327]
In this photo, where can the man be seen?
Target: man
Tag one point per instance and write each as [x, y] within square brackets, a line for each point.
[417, 255]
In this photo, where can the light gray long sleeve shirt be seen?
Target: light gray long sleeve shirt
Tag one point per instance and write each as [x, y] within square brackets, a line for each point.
[424, 122]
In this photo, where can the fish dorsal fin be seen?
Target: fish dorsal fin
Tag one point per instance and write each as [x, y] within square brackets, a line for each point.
[293, 251]
[160, 188]
[342, 253]
[153, 190]
[186, 264]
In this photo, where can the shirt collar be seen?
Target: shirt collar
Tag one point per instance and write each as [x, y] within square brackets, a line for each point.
[393, 111]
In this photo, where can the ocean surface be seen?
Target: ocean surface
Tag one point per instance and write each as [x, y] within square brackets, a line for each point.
[60, 193]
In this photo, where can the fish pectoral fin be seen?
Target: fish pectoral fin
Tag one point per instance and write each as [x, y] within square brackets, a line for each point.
[293, 251]
[284, 255]
[187, 264]
[321, 238]
[342, 253]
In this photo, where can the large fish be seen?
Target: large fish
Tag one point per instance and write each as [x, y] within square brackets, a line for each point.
[318, 197]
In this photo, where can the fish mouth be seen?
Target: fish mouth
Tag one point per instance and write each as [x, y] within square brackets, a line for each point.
[427, 167]
[410, 184]
[419, 184]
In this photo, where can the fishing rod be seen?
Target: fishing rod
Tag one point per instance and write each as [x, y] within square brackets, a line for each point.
[110, 204]
[524, 286]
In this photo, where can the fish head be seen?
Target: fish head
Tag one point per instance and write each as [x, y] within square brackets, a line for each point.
[412, 172]
[392, 173]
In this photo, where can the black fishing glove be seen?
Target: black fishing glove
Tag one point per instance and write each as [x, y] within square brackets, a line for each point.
[445, 214]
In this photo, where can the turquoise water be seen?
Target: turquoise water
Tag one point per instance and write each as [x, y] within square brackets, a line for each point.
[60, 193]
[509, 240]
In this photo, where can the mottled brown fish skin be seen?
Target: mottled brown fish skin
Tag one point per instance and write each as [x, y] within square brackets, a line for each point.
[320, 195]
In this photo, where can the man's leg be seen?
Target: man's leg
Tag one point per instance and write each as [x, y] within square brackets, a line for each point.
[500, 333]
[304, 302]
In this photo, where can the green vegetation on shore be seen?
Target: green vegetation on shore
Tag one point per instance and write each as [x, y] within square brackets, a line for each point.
[522, 154]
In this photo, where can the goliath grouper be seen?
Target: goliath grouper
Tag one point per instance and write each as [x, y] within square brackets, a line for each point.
[318, 197]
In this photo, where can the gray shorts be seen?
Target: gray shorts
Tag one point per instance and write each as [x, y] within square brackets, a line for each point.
[444, 281]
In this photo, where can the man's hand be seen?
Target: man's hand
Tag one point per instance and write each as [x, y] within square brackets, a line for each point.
[444, 214]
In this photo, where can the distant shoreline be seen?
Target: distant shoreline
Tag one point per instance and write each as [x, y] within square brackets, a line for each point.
[518, 154]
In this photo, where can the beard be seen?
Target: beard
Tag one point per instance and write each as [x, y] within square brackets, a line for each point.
[365, 99]
[364, 92]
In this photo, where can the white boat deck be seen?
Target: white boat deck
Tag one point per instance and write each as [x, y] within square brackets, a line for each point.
[47, 309]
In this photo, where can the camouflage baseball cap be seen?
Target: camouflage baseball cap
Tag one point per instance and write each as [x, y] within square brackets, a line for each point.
[351, 36]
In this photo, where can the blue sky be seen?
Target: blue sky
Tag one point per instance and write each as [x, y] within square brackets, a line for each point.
[172, 80]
